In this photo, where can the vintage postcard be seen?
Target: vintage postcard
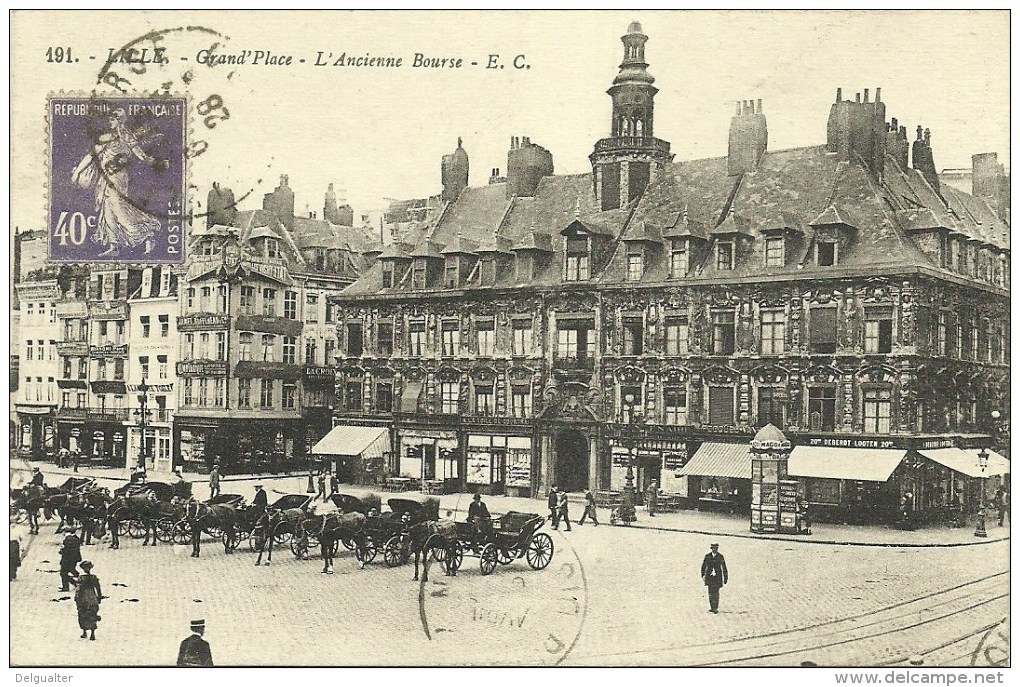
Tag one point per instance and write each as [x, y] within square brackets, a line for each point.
[510, 338]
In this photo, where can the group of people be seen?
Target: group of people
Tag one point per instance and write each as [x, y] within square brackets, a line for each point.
[334, 485]
[559, 508]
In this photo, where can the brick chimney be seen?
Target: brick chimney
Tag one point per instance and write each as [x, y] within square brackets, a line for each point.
[749, 135]
[857, 130]
[922, 159]
[526, 164]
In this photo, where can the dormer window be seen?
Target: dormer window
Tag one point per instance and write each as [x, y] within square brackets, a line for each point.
[387, 274]
[775, 252]
[451, 280]
[826, 253]
[208, 248]
[724, 255]
[578, 259]
[679, 259]
[635, 263]
[272, 248]
[487, 271]
[418, 272]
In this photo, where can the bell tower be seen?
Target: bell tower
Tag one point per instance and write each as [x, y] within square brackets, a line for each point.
[625, 163]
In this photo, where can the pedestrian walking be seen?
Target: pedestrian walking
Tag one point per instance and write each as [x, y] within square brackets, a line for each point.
[63, 457]
[715, 575]
[195, 651]
[652, 498]
[554, 502]
[87, 597]
[322, 486]
[15, 558]
[214, 481]
[562, 509]
[70, 556]
[334, 484]
[589, 509]
[1002, 503]
[75, 458]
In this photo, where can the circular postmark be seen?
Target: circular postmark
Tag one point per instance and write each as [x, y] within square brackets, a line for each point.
[993, 648]
[514, 616]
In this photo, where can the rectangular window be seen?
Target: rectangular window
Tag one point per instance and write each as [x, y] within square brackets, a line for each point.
[942, 334]
[164, 366]
[486, 338]
[189, 387]
[675, 404]
[67, 368]
[164, 326]
[822, 408]
[724, 255]
[290, 349]
[577, 259]
[203, 346]
[723, 332]
[771, 407]
[576, 340]
[266, 393]
[269, 302]
[384, 339]
[205, 305]
[450, 395]
[679, 259]
[485, 400]
[219, 392]
[520, 401]
[418, 274]
[221, 298]
[826, 253]
[384, 397]
[289, 395]
[635, 266]
[221, 345]
[310, 351]
[877, 411]
[330, 352]
[878, 330]
[355, 339]
[244, 341]
[118, 369]
[29, 355]
[273, 248]
[387, 274]
[203, 392]
[633, 336]
[83, 368]
[823, 330]
[143, 364]
[773, 331]
[451, 337]
[268, 343]
[65, 399]
[290, 305]
[244, 393]
[144, 319]
[120, 332]
[416, 346]
[487, 270]
[189, 347]
[353, 395]
[247, 300]
[101, 370]
[975, 327]
[775, 255]
[452, 278]
[720, 405]
[521, 343]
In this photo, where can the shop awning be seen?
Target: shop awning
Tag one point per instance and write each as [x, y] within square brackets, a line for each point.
[965, 461]
[345, 440]
[409, 399]
[720, 460]
[865, 464]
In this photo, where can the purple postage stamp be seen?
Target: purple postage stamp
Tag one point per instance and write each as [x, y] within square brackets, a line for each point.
[117, 179]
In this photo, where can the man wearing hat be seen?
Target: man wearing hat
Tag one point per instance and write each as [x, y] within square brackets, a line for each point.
[70, 556]
[37, 478]
[715, 575]
[195, 651]
[214, 481]
[478, 515]
[261, 501]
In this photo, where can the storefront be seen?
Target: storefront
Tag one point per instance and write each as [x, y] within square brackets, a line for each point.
[356, 455]
[719, 477]
[37, 431]
[659, 460]
[431, 456]
[849, 483]
[239, 446]
[499, 464]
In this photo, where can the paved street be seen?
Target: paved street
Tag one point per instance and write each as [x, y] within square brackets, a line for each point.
[611, 596]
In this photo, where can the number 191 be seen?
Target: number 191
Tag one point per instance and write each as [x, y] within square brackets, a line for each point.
[59, 55]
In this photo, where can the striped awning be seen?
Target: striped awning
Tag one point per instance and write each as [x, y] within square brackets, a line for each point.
[864, 464]
[346, 440]
[720, 460]
[965, 461]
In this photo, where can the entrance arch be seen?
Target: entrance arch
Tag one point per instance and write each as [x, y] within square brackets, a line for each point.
[572, 451]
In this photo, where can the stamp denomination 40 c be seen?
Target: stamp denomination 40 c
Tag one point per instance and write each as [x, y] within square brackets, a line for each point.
[117, 179]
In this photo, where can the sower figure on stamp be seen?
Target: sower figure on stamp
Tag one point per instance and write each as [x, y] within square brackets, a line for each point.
[715, 575]
[195, 651]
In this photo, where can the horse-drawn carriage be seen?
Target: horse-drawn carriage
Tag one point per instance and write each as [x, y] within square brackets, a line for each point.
[393, 528]
[511, 536]
[180, 530]
[168, 514]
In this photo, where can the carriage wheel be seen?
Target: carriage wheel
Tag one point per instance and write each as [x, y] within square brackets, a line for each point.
[295, 546]
[367, 555]
[437, 546]
[214, 532]
[458, 558]
[165, 531]
[181, 533]
[136, 529]
[255, 537]
[540, 551]
[230, 542]
[489, 558]
[349, 543]
[122, 527]
[20, 516]
[313, 542]
[281, 538]
[393, 553]
[505, 556]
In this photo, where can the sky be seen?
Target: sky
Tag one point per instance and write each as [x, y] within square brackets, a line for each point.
[379, 134]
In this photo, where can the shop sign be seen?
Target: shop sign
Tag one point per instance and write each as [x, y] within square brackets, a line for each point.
[108, 350]
[26, 428]
[621, 458]
[118, 437]
[851, 443]
[320, 373]
[205, 367]
[937, 443]
[187, 323]
[788, 496]
[674, 460]
[499, 421]
[152, 388]
[108, 310]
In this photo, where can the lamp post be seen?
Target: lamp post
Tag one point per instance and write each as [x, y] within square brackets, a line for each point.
[628, 513]
[143, 414]
[983, 462]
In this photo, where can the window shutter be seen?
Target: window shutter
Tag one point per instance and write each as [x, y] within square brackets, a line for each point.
[720, 405]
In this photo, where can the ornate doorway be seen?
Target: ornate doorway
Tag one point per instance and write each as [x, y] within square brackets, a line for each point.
[571, 460]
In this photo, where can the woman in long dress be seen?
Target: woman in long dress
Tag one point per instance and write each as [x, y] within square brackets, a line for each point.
[87, 598]
[104, 171]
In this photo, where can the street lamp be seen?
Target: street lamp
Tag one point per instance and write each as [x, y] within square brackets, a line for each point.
[628, 513]
[983, 462]
[143, 414]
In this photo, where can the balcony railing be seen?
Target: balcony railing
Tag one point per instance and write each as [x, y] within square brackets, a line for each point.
[129, 415]
[632, 142]
[574, 363]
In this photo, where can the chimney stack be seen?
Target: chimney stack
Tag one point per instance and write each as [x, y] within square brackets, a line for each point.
[526, 164]
[748, 139]
[922, 159]
[857, 129]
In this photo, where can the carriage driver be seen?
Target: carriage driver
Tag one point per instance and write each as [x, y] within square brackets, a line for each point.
[261, 500]
[478, 515]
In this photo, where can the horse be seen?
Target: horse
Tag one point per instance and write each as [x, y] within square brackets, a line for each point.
[141, 507]
[274, 522]
[90, 509]
[30, 498]
[417, 540]
[331, 528]
[221, 516]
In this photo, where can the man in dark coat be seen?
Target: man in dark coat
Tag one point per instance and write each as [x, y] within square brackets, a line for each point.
[37, 478]
[261, 500]
[195, 651]
[70, 556]
[15, 558]
[554, 502]
[715, 575]
[478, 515]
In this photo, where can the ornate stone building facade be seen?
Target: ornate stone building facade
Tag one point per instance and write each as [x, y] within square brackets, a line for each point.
[555, 329]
